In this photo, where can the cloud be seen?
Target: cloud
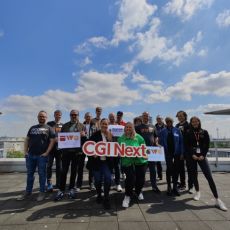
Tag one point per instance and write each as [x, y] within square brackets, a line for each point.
[86, 61]
[223, 19]
[150, 45]
[93, 89]
[133, 16]
[185, 9]
[194, 83]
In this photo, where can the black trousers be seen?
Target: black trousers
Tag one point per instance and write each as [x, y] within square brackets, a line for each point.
[69, 159]
[207, 173]
[182, 172]
[172, 169]
[54, 154]
[117, 169]
[135, 178]
[80, 171]
[159, 169]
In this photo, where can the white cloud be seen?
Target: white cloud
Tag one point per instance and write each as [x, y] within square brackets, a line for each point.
[133, 16]
[203, 52]
[137, 77]
[86, 61]
[150, 45]
[223, 19]
[93, 89]
[195, 83]
[185, 9]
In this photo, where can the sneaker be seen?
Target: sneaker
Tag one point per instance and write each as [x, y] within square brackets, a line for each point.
[220, 204]
[78, 189]
[182, 187]
[71, 194]
[140, 196]
[126, 201]
[92, 187]
[24, 196]
[41, 196]
[59, 196]
[49, 187]
[119, 188]
[191, 191]
[197, 196]
[156, 190]
[123, 176]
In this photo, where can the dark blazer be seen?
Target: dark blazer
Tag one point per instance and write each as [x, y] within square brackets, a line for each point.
[191, 142]
[95, 163]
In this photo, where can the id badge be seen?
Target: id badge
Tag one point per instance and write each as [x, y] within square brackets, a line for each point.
[198, 150]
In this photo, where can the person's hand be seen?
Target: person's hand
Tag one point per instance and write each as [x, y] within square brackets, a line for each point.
[194, 157]
[109, 136]
[45, 154]
[82, 133]
[201, 158]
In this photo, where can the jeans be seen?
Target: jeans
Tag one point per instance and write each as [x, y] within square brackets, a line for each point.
[32, 162]
[57, 155]
[104, 172]
[117, 169]
[152, 172]
[207, 173]
[135, 178]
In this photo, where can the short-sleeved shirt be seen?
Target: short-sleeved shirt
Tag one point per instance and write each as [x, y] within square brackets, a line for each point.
[148, 132]
[39, 138]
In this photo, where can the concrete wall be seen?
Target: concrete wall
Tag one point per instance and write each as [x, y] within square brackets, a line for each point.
[18, 165]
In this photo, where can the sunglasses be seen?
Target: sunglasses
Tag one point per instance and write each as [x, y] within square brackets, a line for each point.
[74, 115]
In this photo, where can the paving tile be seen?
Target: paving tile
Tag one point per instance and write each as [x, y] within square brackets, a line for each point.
[81, 216]
[193, 225]
[218, 225]
[185, 215]
[133, 225]
[103, 215]
[208, 214]
[130, 215]
[166, 225]
[103, 226]
[73, 226]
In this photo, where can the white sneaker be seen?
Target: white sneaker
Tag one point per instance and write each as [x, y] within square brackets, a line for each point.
[220, 204]
[123, 176]
[141, 197]
[197, 196]
[191, 191]
[126, 201]
[78, 189]
[119, 188]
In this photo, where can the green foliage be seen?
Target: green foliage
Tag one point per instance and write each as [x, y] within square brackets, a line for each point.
[221, 144]
[15, 154]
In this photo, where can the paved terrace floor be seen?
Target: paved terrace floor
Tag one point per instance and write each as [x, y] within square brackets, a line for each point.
[155, 212]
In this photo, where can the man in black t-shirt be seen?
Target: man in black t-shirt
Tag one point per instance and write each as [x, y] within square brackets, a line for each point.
[39, 142]
[148, 132]
[55, 153]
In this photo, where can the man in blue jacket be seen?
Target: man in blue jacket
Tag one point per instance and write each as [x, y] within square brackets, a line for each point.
[172, 141]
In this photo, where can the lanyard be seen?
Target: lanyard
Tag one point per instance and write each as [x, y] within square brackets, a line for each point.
[197, 137]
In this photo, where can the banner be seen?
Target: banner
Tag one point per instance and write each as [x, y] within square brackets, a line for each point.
[113, 149]
[69, 140]
[116, 130]
[155, 153]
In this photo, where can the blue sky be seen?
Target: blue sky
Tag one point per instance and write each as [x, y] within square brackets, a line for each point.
[129, 55]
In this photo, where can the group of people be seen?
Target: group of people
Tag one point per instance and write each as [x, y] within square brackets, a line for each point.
[184, 144]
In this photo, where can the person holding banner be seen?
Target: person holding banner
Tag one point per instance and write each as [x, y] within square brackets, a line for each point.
[171, 139]
[71, 156]
[134, 167]
[197, 142]
[102, 165]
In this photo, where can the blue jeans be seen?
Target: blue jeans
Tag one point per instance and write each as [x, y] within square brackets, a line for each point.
[104, 172]
[32, 162]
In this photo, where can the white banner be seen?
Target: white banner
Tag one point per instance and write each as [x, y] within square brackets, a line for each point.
[69, 140]
[116, 130]
[155, 153]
